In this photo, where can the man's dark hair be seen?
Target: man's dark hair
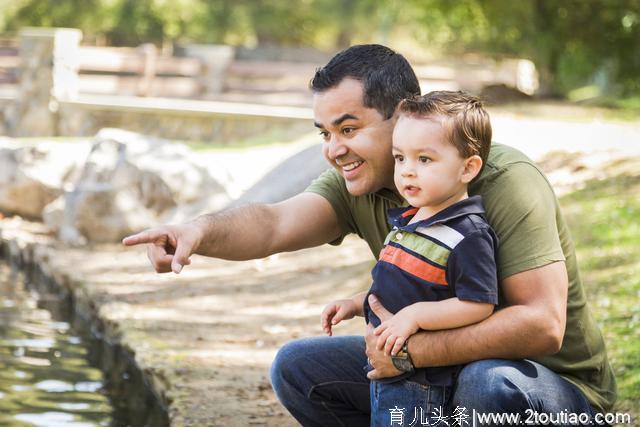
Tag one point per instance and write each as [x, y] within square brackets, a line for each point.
[386, 76]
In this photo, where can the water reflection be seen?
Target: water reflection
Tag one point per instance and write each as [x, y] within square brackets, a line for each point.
[45, 379]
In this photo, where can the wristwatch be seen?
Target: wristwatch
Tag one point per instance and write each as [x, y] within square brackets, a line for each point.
[402, 360]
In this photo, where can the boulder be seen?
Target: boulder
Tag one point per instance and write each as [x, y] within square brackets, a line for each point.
[289, 178]
[129, 182]
[33, 175]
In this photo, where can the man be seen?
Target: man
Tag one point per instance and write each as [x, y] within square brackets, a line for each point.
[541, 351]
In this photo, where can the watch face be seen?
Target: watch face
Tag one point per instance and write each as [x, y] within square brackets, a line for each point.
[402, 364]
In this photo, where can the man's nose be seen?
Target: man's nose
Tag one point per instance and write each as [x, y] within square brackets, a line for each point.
[335, 148]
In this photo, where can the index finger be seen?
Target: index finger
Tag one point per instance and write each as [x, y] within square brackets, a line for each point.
[147, 236]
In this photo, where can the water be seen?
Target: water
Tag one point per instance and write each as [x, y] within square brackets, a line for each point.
[45, 378]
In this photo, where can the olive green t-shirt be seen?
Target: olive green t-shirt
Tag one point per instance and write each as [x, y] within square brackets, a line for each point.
[523, 211]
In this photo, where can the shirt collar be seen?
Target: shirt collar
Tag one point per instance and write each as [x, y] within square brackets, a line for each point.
[399, 217]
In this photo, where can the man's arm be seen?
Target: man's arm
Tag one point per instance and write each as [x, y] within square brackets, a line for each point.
[531, 325]
[247, 232]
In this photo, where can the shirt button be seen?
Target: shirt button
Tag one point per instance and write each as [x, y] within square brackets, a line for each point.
[399, 236]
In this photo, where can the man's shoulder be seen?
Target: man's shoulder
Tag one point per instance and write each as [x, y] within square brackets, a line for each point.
[508, 172]
[501, 155]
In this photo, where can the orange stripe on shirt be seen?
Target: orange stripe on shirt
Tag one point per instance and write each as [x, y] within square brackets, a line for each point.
[413, 265]
[410, 212]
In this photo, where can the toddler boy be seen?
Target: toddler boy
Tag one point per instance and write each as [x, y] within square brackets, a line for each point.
[437, 269]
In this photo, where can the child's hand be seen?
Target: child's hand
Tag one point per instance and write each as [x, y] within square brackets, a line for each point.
[334, 312]
[394, 332]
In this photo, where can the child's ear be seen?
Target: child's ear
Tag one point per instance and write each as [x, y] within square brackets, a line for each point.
[472, 166]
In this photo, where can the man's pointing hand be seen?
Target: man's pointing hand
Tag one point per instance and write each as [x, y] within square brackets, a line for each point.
[168, 247]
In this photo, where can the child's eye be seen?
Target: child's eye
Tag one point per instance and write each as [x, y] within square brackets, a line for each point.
[398, 157]
[424, 159]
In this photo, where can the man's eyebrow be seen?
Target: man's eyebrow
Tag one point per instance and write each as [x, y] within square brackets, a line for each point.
[342, 118]
[337, 121]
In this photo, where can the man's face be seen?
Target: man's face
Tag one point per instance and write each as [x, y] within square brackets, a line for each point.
[428, 168]
[357, 139]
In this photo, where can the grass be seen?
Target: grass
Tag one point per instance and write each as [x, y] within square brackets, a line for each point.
[604, 218]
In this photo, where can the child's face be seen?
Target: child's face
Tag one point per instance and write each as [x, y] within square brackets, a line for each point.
[428, 169]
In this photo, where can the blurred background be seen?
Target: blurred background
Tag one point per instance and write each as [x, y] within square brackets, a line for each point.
[116, 115]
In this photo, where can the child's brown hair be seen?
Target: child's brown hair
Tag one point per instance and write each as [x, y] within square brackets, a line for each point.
[467, 122]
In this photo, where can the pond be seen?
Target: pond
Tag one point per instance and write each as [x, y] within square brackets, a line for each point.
[45, 376]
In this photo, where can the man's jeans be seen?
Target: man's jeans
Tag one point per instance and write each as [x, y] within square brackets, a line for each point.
[407, 403]
[322, 382]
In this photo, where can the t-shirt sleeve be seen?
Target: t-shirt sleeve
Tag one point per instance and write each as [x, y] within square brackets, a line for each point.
[330, 185]
[472, 268]
[522, 210]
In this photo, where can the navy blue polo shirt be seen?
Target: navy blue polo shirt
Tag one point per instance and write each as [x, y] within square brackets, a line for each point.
[451, 254]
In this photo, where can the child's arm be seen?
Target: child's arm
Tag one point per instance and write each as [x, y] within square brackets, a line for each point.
[429, 315]
[342, 309]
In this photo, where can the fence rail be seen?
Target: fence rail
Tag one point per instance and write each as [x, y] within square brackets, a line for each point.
[144, 71]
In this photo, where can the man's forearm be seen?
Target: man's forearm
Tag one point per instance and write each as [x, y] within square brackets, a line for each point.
[237, 234]
[515, 332]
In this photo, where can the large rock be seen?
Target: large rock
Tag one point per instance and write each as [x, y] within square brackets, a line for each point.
[129, 182]
[289, 178]
[33, 175]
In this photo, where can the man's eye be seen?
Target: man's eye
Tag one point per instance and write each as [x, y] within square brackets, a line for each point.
[347, 130]
[324, 134]
[424, 159]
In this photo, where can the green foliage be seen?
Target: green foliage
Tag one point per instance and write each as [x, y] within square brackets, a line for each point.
[573, 43]
[603, 218]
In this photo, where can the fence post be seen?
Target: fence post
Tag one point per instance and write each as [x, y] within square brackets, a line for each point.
[48, 73]
[150, 58]
[217, 59]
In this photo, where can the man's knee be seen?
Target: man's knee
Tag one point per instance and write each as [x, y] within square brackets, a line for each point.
[493, 385]
[284, 364]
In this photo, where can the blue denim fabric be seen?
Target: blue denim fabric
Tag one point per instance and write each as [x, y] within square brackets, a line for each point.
[517, 386]
[322, 382]
[407, 403]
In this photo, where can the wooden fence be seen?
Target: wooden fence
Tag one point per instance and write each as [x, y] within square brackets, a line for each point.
[139, 71]
[144, 71]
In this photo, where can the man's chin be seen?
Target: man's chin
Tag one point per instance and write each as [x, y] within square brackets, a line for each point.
[357, 189]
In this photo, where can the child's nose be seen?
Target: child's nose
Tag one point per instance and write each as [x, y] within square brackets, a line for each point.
[408, 171]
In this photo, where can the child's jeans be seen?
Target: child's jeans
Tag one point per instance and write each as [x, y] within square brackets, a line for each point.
[407, 403]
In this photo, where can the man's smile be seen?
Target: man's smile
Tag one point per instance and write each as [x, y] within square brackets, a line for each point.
[351, 166]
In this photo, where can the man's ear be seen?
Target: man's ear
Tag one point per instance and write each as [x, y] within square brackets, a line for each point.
[394, 117]
[472, 166]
